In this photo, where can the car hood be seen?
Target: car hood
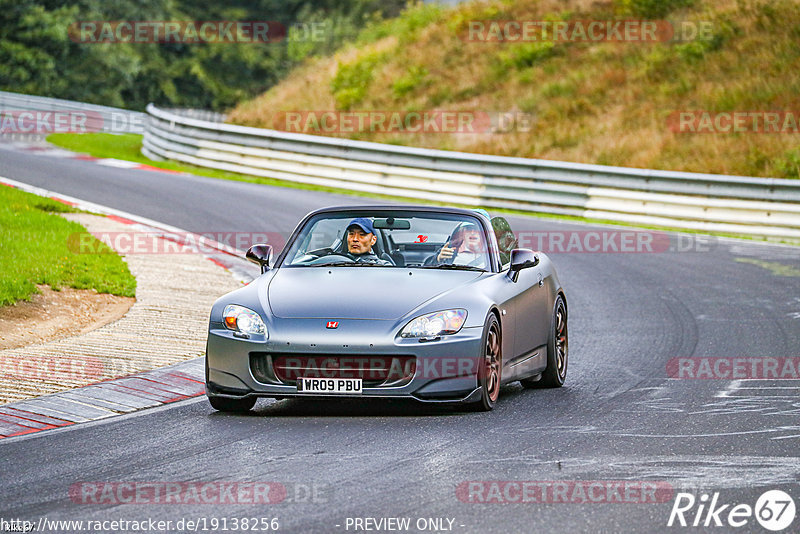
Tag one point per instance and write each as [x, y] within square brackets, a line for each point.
[358, 292]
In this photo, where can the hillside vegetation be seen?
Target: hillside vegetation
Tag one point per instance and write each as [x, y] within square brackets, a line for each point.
[46, 48]
[609, 103]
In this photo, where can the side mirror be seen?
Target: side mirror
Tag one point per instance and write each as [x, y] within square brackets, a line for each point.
[521, 258]
[260, 254]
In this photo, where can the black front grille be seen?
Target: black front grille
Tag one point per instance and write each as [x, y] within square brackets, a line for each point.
[374, 370]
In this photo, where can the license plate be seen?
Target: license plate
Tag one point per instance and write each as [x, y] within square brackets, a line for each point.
[349, 386]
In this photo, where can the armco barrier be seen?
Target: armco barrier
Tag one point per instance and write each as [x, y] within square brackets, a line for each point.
[704, 202]
[98, 118]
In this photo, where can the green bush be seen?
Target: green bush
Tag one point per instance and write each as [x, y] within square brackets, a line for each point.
[789, 165]
[413, 78]
[691, 51]
[527, 54]
[352, 80]
[651, 9]
[415, 17]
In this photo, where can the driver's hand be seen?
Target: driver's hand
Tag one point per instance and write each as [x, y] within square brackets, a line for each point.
[446, 253]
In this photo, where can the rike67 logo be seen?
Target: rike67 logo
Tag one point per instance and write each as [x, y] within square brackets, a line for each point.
[774, 510]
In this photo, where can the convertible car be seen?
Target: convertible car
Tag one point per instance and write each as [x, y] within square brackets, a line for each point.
[429, 303]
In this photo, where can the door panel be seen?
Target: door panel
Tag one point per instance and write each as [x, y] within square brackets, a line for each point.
[533, 317]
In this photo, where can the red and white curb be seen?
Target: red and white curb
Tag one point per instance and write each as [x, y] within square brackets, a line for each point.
[56, 152]
[117, 396]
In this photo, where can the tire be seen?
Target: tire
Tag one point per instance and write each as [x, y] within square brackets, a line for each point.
[557, 350]
[490, 365]
[232, 405]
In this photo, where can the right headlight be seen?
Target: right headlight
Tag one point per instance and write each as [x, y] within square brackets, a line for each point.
[241, 319]
[435, 324]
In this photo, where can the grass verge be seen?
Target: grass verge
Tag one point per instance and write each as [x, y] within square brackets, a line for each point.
[34, 249]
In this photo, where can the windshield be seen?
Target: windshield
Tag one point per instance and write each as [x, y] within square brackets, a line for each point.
[390, 240]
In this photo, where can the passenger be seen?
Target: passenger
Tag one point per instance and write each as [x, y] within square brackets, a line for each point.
[360, 238]
[465, 247]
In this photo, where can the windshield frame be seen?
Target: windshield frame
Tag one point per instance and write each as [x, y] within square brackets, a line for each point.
[399, 212]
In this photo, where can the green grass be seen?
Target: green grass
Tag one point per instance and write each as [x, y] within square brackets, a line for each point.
[37, 246]
[103, 145]
[126, 147]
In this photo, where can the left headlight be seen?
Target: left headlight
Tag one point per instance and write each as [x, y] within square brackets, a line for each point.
[435, 324]
[241, 319]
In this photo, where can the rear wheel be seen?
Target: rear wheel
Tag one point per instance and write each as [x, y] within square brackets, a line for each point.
[557, 350]
[232, 405]
[489, 365]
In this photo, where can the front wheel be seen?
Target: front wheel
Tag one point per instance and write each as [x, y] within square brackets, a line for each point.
[489, 365]
[557, 350]
[232, 405]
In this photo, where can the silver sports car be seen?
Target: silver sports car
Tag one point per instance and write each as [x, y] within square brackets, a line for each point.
[430, 303]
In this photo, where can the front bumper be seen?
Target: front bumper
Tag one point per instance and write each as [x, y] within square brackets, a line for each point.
[441, 370]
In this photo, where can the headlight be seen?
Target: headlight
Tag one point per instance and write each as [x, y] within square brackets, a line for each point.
[435, 324]
[243, 319]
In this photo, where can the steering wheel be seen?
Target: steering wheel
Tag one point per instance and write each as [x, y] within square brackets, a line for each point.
[331, 258]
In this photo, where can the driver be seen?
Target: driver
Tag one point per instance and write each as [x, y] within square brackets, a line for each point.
[360, 238]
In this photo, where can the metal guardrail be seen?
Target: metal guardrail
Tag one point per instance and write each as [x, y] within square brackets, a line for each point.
[90, 117]
[705, 202]
[200, 114]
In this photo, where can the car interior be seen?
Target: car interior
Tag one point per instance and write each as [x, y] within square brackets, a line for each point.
[397, 243]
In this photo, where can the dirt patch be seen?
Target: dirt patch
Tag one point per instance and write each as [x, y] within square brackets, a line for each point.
[54, 315]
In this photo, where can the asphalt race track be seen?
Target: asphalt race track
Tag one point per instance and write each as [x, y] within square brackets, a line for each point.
[620, 417]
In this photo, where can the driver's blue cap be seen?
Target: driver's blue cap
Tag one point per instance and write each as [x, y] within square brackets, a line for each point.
[363, 223]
